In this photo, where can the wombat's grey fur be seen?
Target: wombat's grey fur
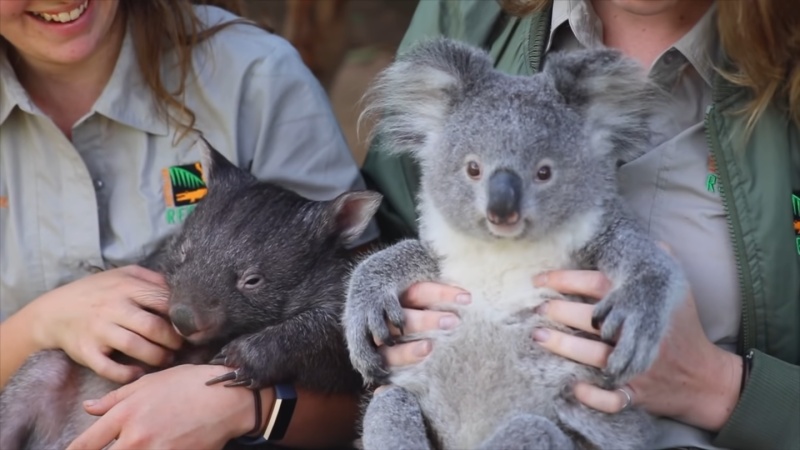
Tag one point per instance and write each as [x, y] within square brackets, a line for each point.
[518, 176]
[258, 269]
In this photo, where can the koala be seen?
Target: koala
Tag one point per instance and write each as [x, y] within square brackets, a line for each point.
[518, 177]
[257, 281]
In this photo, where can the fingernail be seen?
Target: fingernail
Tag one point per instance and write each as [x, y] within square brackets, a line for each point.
[541, 309]
[540, 280]
[541, 334]
[463, 299]
[448, 322]
[89, 403]
[422, 348]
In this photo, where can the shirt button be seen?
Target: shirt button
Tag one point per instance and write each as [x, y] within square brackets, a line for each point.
[670, 57]
[98, 184]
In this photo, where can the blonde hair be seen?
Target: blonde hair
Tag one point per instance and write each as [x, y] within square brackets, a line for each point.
[180, 32]
[762, 40]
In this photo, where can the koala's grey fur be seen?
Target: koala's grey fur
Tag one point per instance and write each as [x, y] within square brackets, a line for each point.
[486, 384]
[284, 327]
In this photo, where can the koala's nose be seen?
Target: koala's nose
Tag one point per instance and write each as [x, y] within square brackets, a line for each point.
[505, 193]
[183, 320]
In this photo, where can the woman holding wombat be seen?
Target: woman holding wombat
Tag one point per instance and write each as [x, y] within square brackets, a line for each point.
[99, 103]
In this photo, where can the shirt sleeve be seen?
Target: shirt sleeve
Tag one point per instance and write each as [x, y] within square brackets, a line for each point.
[288, 134]
[768, 409]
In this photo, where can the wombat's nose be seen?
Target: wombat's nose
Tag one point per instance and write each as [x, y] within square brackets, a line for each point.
[183, 320]
[505, 193]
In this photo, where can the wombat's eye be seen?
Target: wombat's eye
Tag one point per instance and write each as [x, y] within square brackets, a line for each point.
[544, 173]
[473, 170]
[251, 281]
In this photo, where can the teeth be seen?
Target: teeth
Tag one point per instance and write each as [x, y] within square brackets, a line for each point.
[64, 17]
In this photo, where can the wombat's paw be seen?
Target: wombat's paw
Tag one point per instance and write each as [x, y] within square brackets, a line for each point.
[368, 312]
[637, 319]
[252, 369]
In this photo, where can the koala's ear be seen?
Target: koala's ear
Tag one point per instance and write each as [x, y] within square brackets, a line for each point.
[411, 99]
[220, 173]
[614, 94]
[349, 214]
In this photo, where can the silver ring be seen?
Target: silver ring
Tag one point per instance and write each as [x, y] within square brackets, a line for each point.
[628, 399]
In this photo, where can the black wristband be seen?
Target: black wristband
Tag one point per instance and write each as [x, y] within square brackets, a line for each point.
[257, 427]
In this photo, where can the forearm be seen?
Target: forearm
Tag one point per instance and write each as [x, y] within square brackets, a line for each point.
[319, 420]
[17, 342]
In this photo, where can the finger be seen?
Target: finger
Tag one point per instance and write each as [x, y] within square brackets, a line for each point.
[150, 326]
[422, 320]
[426, 294]
[588, 283]
[585, 351]
[151, 296]
[405, 354]
[109, 369]
[137, 347]
[572, 314]
[100, 406]
[145, 274]
[610, 402]
[98, 435]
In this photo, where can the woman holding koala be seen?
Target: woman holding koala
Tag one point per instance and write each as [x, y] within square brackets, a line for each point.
[99, 101]
[720, 187]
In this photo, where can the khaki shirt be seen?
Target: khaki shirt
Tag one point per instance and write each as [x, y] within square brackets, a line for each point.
[672, 187]
[108, 195]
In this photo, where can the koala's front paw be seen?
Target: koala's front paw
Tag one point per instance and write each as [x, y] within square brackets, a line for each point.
[637, 314]
[369, 306]
[246, 355]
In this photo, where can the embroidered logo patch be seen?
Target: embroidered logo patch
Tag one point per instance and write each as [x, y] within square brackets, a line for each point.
[184, 186]
[796, 222]
[711, 178]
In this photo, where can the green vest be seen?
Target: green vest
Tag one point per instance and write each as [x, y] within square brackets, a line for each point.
[760, 187]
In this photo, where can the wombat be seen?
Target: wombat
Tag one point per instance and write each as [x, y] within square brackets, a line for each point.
[256, 276]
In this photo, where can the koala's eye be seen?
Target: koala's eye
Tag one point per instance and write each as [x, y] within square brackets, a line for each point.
[473, 170]
[251, 281]
[544, 173]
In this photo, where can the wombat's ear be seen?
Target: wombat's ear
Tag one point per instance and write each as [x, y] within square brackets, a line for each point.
[349, 214]
[411, 99]
[614, 94]
[220, 173]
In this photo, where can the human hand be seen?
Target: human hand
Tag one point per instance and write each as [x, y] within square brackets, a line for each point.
[172, 408]
[93, 316]
[417, 319]
[691, 380]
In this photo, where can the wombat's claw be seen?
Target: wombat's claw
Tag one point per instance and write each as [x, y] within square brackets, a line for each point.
[226, 377]
[248, 382]
[218, 361]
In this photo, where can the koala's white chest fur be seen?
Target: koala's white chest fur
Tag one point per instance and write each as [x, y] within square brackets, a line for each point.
[499, 274]
[488, 367]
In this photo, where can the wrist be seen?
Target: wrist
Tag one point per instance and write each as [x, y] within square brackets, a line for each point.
[723, 384]
[244, 421]
[35, 314]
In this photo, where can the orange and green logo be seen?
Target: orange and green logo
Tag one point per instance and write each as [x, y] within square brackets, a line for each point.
[184, 186]
[711, 178]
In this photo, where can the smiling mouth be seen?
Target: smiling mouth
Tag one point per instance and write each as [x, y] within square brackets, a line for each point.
[61, 17]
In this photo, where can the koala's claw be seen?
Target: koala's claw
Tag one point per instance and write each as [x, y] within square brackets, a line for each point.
[637, 324]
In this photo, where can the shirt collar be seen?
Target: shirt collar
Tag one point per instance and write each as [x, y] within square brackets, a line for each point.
[699, 46]
[125, 99]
